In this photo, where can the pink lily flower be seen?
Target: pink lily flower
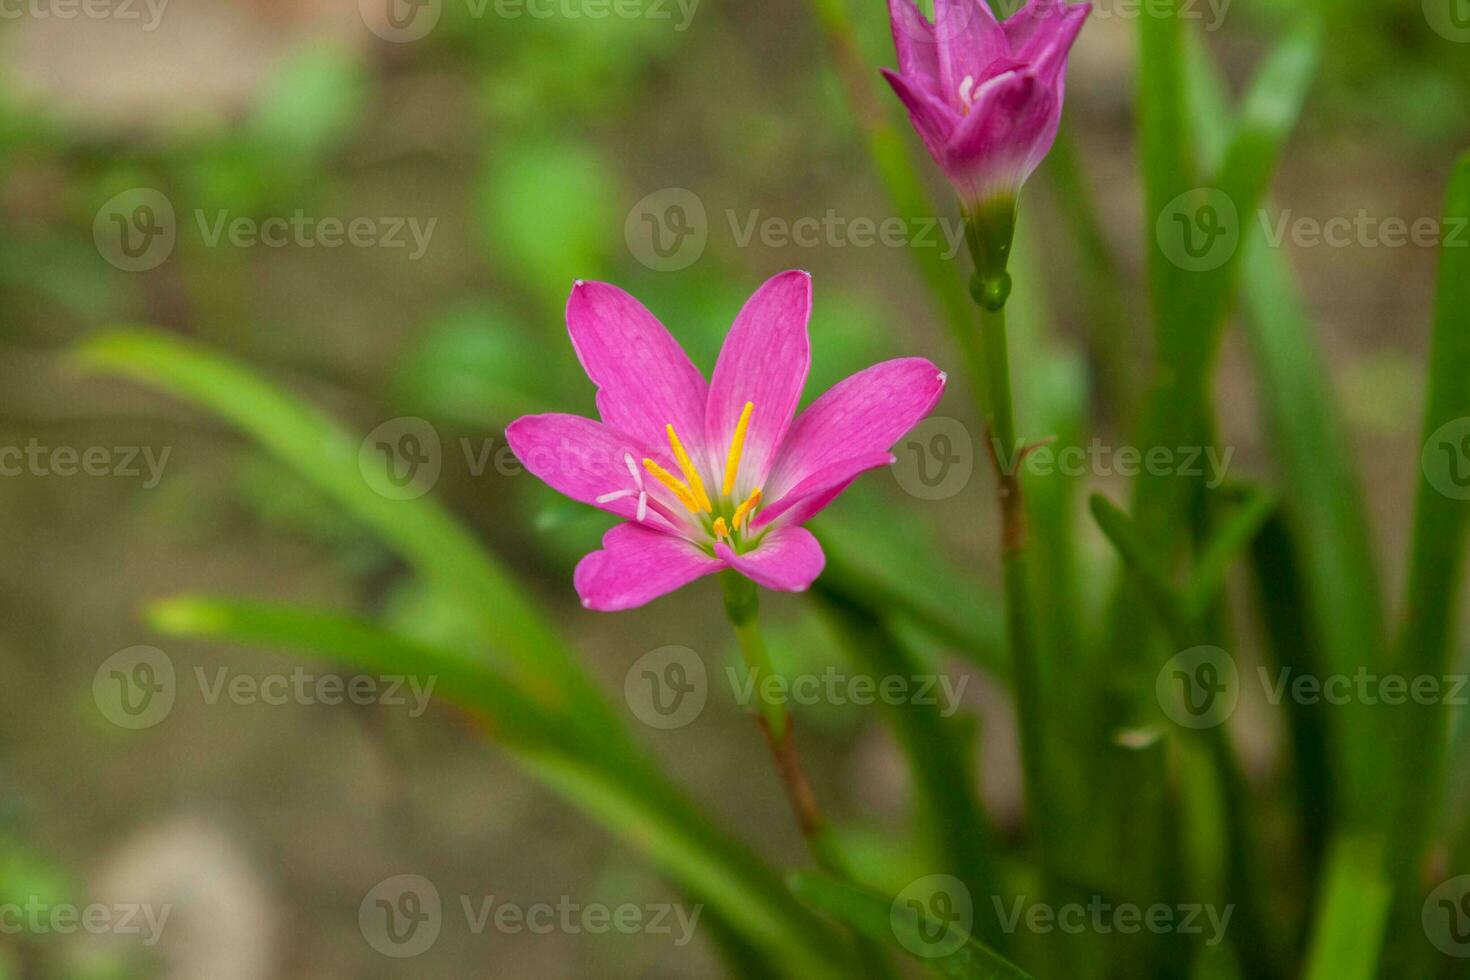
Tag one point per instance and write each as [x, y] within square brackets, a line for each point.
[985, 96]
[712, 474]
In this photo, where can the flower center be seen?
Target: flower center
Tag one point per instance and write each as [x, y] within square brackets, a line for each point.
[722, 518]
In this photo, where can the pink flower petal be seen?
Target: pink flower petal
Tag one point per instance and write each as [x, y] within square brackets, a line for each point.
[933, 120]
[858, 418]
[644, 379]
[1042, 32]
[764, 361]
[1008, 131]
[588, 461]
[913, 38]
[805, 500]
[636, 566]
[787, 559]
[969, 39]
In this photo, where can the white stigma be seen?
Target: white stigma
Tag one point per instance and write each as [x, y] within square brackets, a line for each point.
[608, 498]
[967, 94]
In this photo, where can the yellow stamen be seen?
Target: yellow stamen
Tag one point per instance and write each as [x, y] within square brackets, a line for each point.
[722, 530]
[737, 446]
[673, 483]
[691, 475]
[751, 503]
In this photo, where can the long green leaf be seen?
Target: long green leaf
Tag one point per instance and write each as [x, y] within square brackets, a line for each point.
[419, 529]
[1437, 556]
[627, 796]
[939, 759]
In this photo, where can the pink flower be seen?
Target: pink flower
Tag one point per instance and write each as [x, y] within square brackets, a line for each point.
[986, 97]
[717, 474]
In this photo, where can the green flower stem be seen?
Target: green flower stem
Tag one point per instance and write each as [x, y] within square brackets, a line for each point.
[988, 231]
[742, 603]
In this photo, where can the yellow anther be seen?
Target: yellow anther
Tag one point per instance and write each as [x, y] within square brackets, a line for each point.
[744, 510]
[737, 446]
[691, 475]
[673, 483]
[722, 530]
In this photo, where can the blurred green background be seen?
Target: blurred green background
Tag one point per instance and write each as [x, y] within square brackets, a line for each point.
[529, 142]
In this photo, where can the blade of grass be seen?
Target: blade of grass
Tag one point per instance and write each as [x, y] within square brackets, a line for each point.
[625, 795]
